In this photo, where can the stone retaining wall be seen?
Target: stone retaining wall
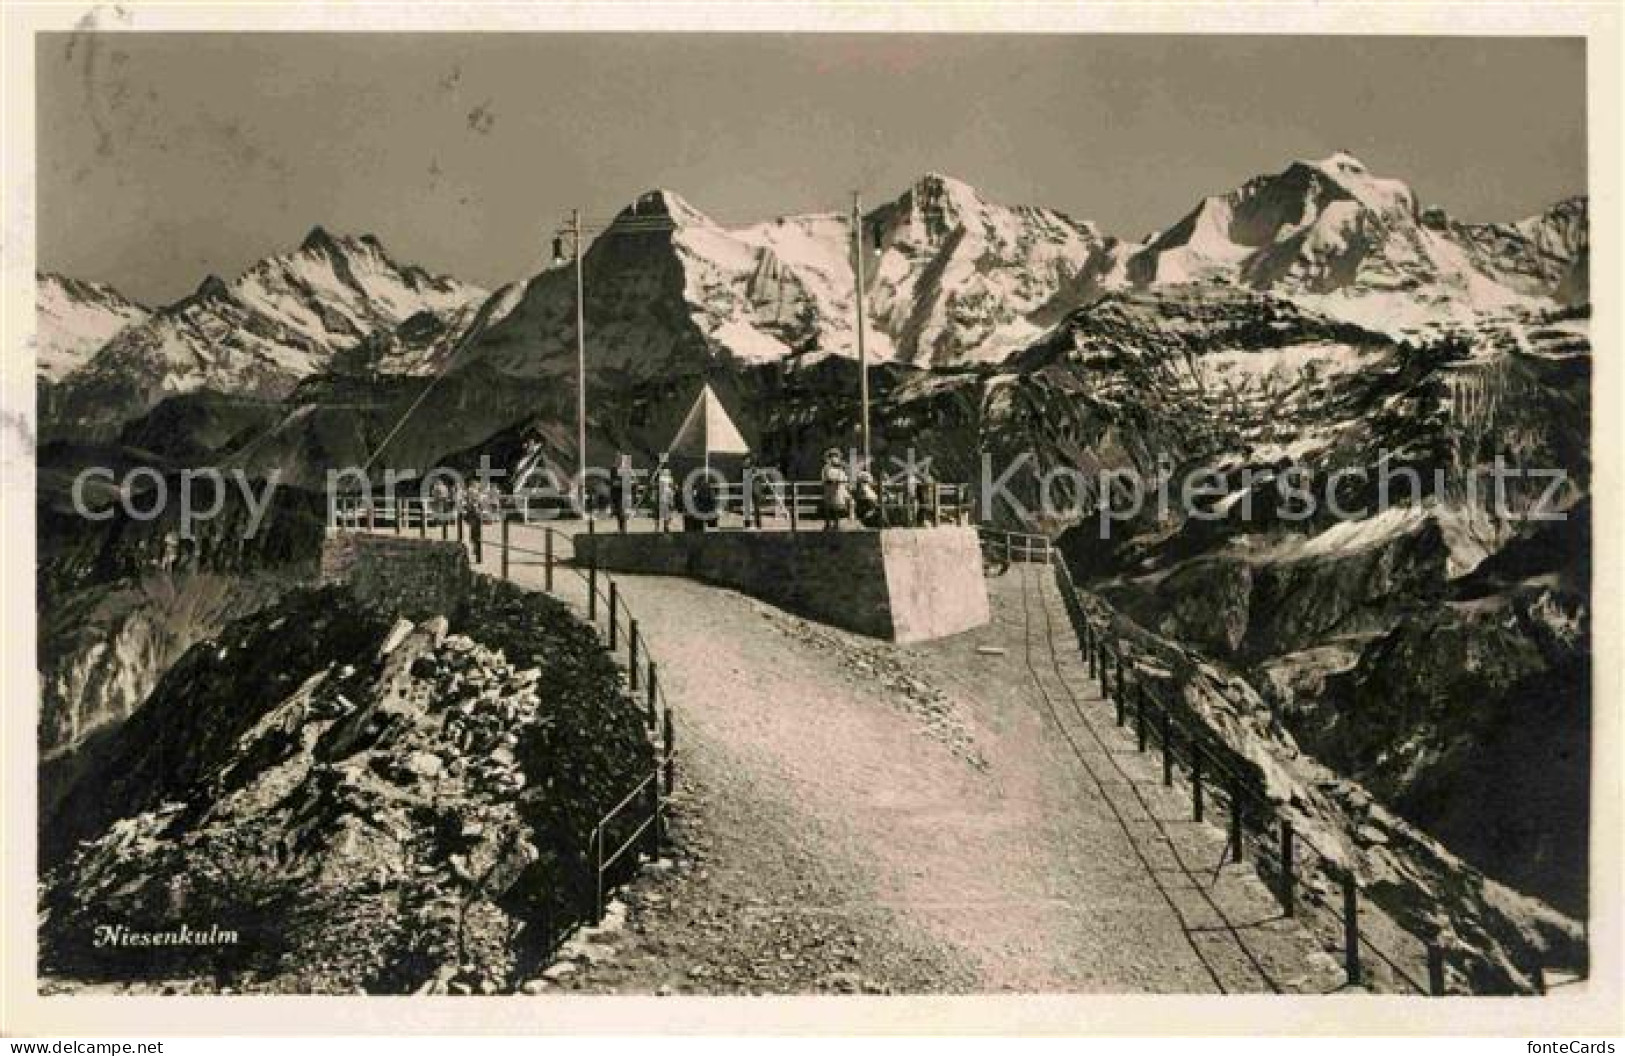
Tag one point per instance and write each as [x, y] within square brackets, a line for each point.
[901, 584]
[416, 578]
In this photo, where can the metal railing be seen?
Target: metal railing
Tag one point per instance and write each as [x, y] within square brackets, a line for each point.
[1309, 884]
[1011, 547]
[780, 504]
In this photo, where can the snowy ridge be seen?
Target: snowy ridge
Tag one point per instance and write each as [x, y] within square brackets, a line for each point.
[1360, 247]
[282, 320]
[75, 319]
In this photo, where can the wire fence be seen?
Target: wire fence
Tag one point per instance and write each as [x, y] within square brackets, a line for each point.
[1312, 886]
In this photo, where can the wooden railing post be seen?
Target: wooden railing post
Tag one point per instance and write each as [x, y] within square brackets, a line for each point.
[423, 519]
[1139, 719]
[1196, 781]
[657, 822]
[670, 741]
[1435, 969]
[592, 586]
[395, 505]
[1288, 875]
[1091, 648]
[547, 559]
[457, 519]
[653, 693]
[1166, 731]
[1351, 929]
[795, 508]
[632, 654]
[614, 616]
[504, 531]
[598, 868]
[372, 514]
[1236, 809]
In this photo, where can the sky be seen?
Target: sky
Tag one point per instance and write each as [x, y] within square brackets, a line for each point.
[163, 158]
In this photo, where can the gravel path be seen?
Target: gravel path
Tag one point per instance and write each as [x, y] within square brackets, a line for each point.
[855, 816]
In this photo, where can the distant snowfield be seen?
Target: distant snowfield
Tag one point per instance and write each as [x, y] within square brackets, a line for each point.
[1253, 366]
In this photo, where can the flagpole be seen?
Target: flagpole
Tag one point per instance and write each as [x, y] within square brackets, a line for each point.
[581, 365]
[863, 357]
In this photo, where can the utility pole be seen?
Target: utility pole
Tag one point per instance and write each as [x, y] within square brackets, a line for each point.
[581, 365]
[863, 358]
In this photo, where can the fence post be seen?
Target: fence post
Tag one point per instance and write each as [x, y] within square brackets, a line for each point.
[670, 741]
[632, 654]
[1121, 700]
[1288, 879]
[592, 588]
[395, 504]
[653, 692]
[795, 509]
[598, 869]
[1166, 729]
[445, 531]
[614, 622]
[547, 559]
[423, 519]
[1351, 929]
[1117, 671]
[1139, 720]
[656, 837]
[1104, 666]
[371, 514]
[1196, 781]
[1092, 648]
[504, 531]
[1435, 969]
[1236, 809]
[457, 517]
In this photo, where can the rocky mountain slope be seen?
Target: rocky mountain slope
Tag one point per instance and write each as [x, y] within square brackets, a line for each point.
[281, 320]
[76, 318]
[368, 805]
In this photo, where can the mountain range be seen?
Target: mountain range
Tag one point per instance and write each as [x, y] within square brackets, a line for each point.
[1436, 653]
[951, 278]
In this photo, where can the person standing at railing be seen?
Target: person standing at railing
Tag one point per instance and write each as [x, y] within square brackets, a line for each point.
[923, 487]
[837, 491]
[440, 499]
[665, 492]
[866, 500]
[620, 486]
[474, 513]
[750, 503]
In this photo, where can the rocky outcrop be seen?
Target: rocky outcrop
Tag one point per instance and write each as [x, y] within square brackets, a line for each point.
[363, 804]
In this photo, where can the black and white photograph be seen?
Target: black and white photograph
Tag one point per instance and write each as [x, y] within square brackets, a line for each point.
[540, 513]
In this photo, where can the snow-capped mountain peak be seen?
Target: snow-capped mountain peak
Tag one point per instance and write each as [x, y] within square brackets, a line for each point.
[1356, 245]
[76, 318]
[279, 321]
